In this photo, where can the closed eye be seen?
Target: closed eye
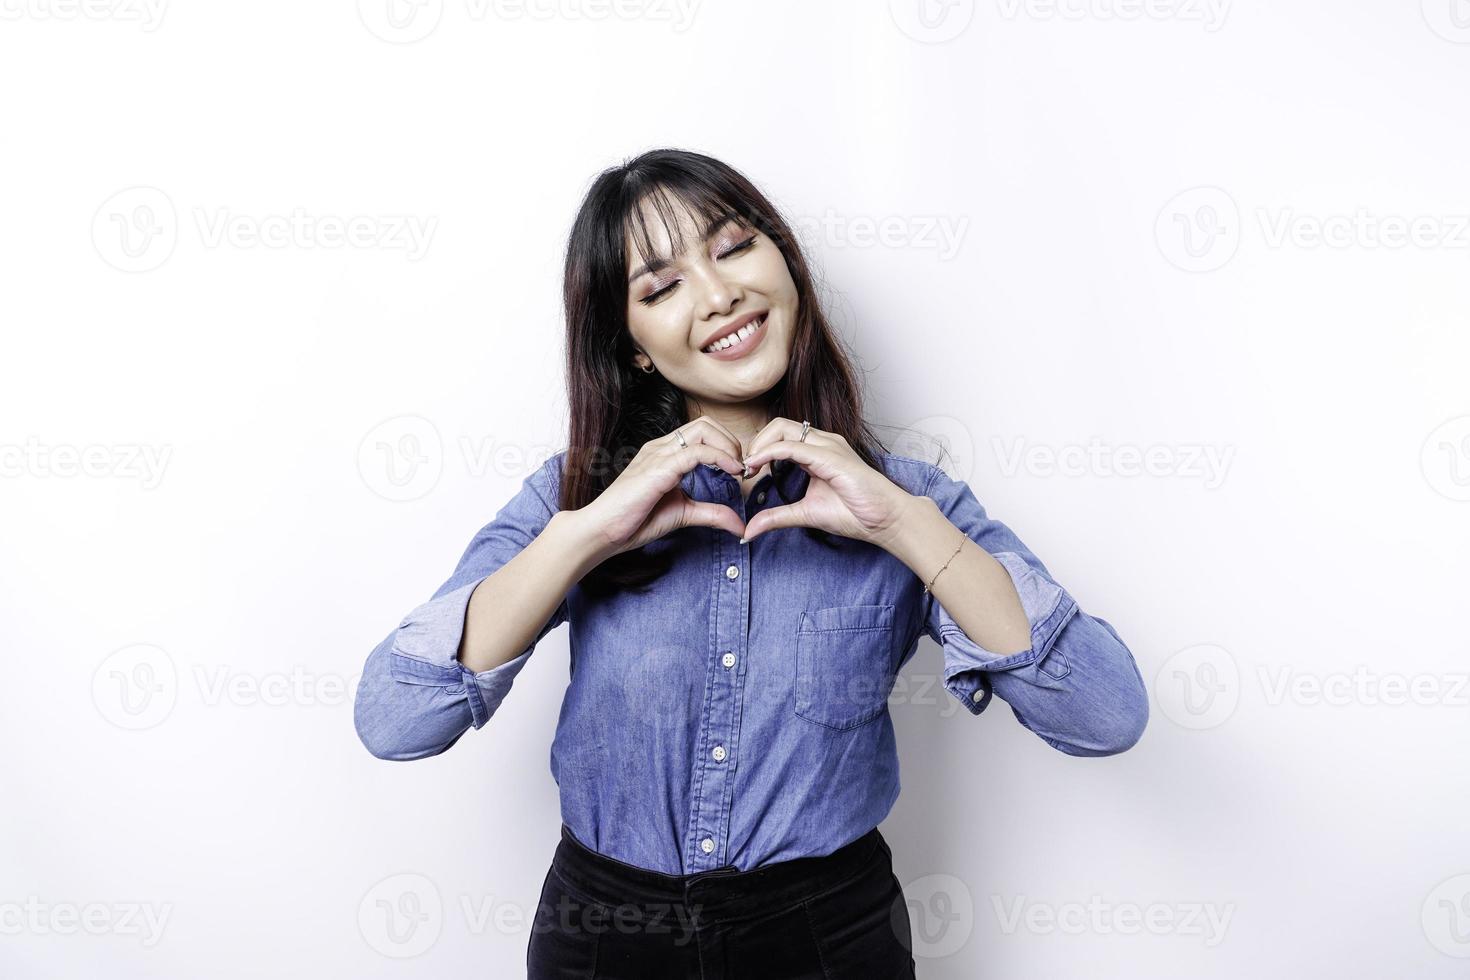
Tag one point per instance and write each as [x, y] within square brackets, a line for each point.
[656, 295]
[741, 247]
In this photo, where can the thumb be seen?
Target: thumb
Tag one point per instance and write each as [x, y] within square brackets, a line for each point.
[788, 515]
[702, 513]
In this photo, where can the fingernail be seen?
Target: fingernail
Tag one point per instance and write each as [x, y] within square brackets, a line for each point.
[743, 540]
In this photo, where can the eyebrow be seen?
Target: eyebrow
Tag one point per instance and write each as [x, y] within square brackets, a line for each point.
[658, 262]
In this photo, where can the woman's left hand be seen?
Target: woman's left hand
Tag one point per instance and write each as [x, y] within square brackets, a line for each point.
[845, 496]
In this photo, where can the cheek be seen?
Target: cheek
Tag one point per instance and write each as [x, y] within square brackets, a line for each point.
[660, 328]
[776, 278]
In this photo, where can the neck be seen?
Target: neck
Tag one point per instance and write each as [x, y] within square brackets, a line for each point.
[743, 419]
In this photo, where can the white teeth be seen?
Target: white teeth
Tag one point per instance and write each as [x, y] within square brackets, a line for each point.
[737, 336]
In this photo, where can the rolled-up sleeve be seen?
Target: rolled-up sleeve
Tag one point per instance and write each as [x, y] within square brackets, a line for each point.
[1077, 686]
[415, 698]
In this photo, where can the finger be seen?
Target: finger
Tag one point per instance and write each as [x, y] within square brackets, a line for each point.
[703, 452]
[732, 444]
[772, 431]
[820, 461]
[772, 518]
[702, 513]
[790, 431]
[706, 431]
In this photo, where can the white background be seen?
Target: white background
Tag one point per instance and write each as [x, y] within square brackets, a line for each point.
[1173, 230]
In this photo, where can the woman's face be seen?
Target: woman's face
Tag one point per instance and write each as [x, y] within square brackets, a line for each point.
[726, 275]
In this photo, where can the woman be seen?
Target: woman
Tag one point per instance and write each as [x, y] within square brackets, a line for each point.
[745, 569]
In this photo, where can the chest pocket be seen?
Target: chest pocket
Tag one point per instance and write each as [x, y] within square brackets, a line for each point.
[844, 664]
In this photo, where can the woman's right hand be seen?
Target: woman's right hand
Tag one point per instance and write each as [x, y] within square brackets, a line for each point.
[645, 501]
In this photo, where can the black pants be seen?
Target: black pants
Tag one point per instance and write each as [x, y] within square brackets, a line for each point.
[838, 916]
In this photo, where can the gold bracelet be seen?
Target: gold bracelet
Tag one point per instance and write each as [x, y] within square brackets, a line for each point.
[963, 538]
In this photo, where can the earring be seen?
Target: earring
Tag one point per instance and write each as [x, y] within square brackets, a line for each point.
[650, 369]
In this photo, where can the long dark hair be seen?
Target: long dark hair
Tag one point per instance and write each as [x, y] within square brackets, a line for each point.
[614, 406]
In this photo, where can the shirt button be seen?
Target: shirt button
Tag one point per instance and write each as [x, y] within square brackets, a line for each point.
[977, 695]
[728, 659]
[732, 572]
[706, 845]
[760, 498]
[719, 753]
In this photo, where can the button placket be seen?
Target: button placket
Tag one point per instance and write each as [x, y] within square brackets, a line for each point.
[712, 786]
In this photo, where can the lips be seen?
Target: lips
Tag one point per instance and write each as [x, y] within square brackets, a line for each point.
[739, 324]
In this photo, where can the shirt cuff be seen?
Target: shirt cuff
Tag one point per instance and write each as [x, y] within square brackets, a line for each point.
[1048, 607]
[426, 648]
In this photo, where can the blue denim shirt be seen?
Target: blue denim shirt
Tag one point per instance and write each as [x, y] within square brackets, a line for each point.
[737, 713]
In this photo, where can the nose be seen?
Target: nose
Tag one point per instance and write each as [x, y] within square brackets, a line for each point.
[717, 295]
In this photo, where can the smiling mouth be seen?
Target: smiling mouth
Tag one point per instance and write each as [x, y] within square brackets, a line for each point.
[736, 338]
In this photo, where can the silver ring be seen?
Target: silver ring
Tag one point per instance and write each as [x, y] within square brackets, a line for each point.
[805, 425]
[680, 436]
